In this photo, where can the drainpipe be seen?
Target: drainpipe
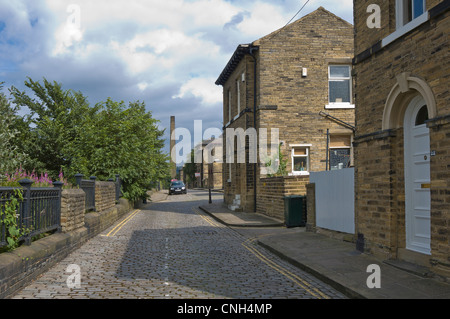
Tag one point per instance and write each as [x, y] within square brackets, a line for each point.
[255, 166]
[328, 147]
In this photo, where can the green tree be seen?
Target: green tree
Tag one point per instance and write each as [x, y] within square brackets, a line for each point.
[10, 155]
[126, 141]
[62, 131]
[49, 132]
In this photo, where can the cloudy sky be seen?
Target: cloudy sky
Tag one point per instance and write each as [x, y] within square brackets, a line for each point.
[166, 53]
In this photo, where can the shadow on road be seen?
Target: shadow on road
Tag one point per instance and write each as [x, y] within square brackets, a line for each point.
[198, 261]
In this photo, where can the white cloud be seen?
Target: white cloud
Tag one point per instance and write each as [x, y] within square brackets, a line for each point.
[179, 14]
[162, 52]
[142, 86]
[163, 37]
[166, 53]
[65, 37]
[264, 19]
[203, 88]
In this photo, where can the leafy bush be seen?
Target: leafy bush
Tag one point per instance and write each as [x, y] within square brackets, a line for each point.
[9, 218]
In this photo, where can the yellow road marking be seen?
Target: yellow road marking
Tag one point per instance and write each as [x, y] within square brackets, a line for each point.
[122, 223]
[206, 218]
[296, 279]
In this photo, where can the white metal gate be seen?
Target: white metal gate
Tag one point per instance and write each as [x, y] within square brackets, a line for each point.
[335, 199]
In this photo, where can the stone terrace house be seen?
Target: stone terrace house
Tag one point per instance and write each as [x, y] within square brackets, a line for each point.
[210, 168]
[297, 79]
[402, 143]
[209, 171]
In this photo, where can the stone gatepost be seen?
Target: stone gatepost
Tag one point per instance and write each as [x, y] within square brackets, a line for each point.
[72, 209]
[311, 207]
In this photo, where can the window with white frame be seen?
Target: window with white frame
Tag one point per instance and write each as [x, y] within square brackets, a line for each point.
[340, 151]
[408, 10]
[339, 86]
[409, 14]
[300, 160]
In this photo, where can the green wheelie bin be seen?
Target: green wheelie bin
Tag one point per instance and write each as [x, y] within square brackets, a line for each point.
[295, 211]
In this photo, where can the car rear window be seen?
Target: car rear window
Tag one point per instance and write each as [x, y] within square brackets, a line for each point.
[177, 184]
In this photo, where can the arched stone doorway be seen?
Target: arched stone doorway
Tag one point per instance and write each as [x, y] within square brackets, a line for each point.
[401, 95]
[417, 176]
[409, 105]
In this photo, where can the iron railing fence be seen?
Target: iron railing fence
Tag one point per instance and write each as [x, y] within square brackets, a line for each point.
[39, 212]
[45, 211]
[88, 186]
[118, 184]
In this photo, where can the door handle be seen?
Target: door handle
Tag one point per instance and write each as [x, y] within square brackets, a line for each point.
[426, 186]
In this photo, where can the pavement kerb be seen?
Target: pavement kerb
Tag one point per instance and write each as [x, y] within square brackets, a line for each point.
[313, 271]
[163, 198]
[321, 275]
[212, 215]
[343, 281]
[239, 225]
[157, 196]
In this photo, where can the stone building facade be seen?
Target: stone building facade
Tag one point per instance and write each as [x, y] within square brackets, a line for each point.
[297, 80]
[402, 142]
[211, 167]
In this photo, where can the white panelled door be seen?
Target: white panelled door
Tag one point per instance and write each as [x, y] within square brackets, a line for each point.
[417, 177]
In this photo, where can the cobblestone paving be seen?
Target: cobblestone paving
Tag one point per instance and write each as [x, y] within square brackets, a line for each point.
[172, 250]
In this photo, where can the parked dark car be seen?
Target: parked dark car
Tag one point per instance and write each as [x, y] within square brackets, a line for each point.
[177, 187]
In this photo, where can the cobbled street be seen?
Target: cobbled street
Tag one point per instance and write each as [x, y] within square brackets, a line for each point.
[172, 250]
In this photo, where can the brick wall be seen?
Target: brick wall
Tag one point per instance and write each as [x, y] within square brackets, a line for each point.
[375, 212]
[292, 102]
[216, 171]
[440, 195]
[285, 99]
[242, 174]
[379, 151]
[271, 193]
[388, 24]
[421, 52]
